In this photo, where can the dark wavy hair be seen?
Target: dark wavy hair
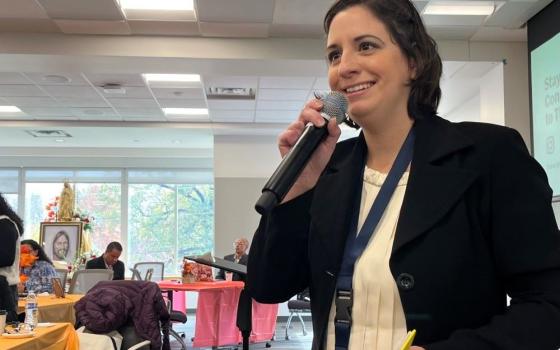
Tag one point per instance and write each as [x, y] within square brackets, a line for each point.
[36, 246]
[407, 30]
[5, 209]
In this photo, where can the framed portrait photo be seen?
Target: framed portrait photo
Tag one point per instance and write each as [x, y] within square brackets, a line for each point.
[61, 240]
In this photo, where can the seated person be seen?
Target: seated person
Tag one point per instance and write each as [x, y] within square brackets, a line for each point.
[240, 257]
[110, 261]
[39, 275]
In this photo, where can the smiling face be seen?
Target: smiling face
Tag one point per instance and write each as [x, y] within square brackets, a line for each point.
[368, 67]
[61, 245]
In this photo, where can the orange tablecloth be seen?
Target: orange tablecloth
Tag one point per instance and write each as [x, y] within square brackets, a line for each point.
[52, 309]
[61, 336]
[216, 313]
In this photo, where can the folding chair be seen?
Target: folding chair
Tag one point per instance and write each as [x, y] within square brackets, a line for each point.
[84, 280]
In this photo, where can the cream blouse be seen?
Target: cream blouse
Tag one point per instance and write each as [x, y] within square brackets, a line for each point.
[378, 320]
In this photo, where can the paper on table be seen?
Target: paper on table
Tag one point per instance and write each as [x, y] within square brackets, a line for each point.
[409, 339]
[45, 324]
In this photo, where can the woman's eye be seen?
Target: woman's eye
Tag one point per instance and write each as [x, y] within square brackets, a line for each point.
[333, 56]
[367, 46]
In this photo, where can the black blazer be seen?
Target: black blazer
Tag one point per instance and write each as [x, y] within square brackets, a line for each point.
[221, 275]
[99, 263]
[476, 222]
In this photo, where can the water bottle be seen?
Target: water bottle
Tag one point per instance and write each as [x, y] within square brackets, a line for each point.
[31, 310]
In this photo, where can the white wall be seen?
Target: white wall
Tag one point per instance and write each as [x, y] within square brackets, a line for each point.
[467, 111]
[492, 96]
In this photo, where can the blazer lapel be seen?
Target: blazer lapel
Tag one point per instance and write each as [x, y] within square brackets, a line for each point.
[334, 201]
[436, 182]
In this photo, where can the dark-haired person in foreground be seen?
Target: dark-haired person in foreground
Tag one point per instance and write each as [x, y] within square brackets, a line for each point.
[110, 261]
[11, 229]
[468, 221]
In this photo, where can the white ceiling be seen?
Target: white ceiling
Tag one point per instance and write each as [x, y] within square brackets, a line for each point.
[68, 39]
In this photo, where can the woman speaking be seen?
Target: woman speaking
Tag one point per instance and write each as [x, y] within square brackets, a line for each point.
[418, 223]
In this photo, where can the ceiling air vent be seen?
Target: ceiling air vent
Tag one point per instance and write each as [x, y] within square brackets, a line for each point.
[48, 133]
[230, 93]
[113, 89]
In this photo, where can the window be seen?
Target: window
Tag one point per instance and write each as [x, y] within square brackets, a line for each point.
[167, 222]
[170, 212]
[9, 181]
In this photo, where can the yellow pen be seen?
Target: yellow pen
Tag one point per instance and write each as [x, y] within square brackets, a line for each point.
[409, 339]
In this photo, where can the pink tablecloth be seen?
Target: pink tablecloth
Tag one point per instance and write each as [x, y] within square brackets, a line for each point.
[216, 313]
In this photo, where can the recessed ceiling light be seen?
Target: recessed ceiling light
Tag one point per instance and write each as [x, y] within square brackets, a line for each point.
[168, 5]
[460, 8]
[185, 111]
[173, 81]
[55, 78]
[189, 78]
[9, 109]
[59, 140]
[176, 142]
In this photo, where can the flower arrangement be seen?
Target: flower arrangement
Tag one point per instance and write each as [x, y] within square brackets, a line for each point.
[193, 272]
[188, 271]
[86, 220]
[26, 259]
[52, 210]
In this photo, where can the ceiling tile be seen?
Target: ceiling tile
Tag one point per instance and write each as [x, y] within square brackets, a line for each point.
[47, 111]
[279, 105]
[20, 90]
[82, 102]
[71, 91]
[182, 103]
[93, 112]
[230, 81]
[54, 117]
[234, 30]
[452, 32]
[300, 12]
[150, 118]
[513, 14]
[133, 102]
[276, 116]
[107, 10]
[33, 101]
[20, 116]
[140, 112]
[231, 104]
[93, 27]
[232, 116]
[99, 79]
[286, 82]
[130, 92]
[189, 118]
[257, 11]
[297, 31]
[12, 78]
[455, 20]
[182, 93]
[57, 78]
[21, 9]
[282, 94]
[182, 28]
[115, 118]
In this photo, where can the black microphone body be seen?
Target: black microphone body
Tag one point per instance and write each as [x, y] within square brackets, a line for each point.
[296, 159]
[290, 168]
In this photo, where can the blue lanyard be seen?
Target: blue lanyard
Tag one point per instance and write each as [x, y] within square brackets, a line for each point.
[356, 245]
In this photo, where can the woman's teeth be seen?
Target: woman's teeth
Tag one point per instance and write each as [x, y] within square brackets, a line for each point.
[358, 87]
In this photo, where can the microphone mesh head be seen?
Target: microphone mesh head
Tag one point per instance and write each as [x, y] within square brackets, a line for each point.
[335, 105]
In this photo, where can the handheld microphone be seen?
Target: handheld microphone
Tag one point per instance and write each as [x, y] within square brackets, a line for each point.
[293, 163]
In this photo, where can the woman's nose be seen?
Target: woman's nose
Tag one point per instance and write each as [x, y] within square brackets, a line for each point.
[348, 65]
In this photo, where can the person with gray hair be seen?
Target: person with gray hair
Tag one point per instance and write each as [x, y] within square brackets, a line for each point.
[240, 256]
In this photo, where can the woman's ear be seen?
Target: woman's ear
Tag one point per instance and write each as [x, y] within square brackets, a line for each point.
[412, 69]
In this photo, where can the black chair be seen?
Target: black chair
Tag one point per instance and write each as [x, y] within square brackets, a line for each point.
[301, 304]
[8, 301]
